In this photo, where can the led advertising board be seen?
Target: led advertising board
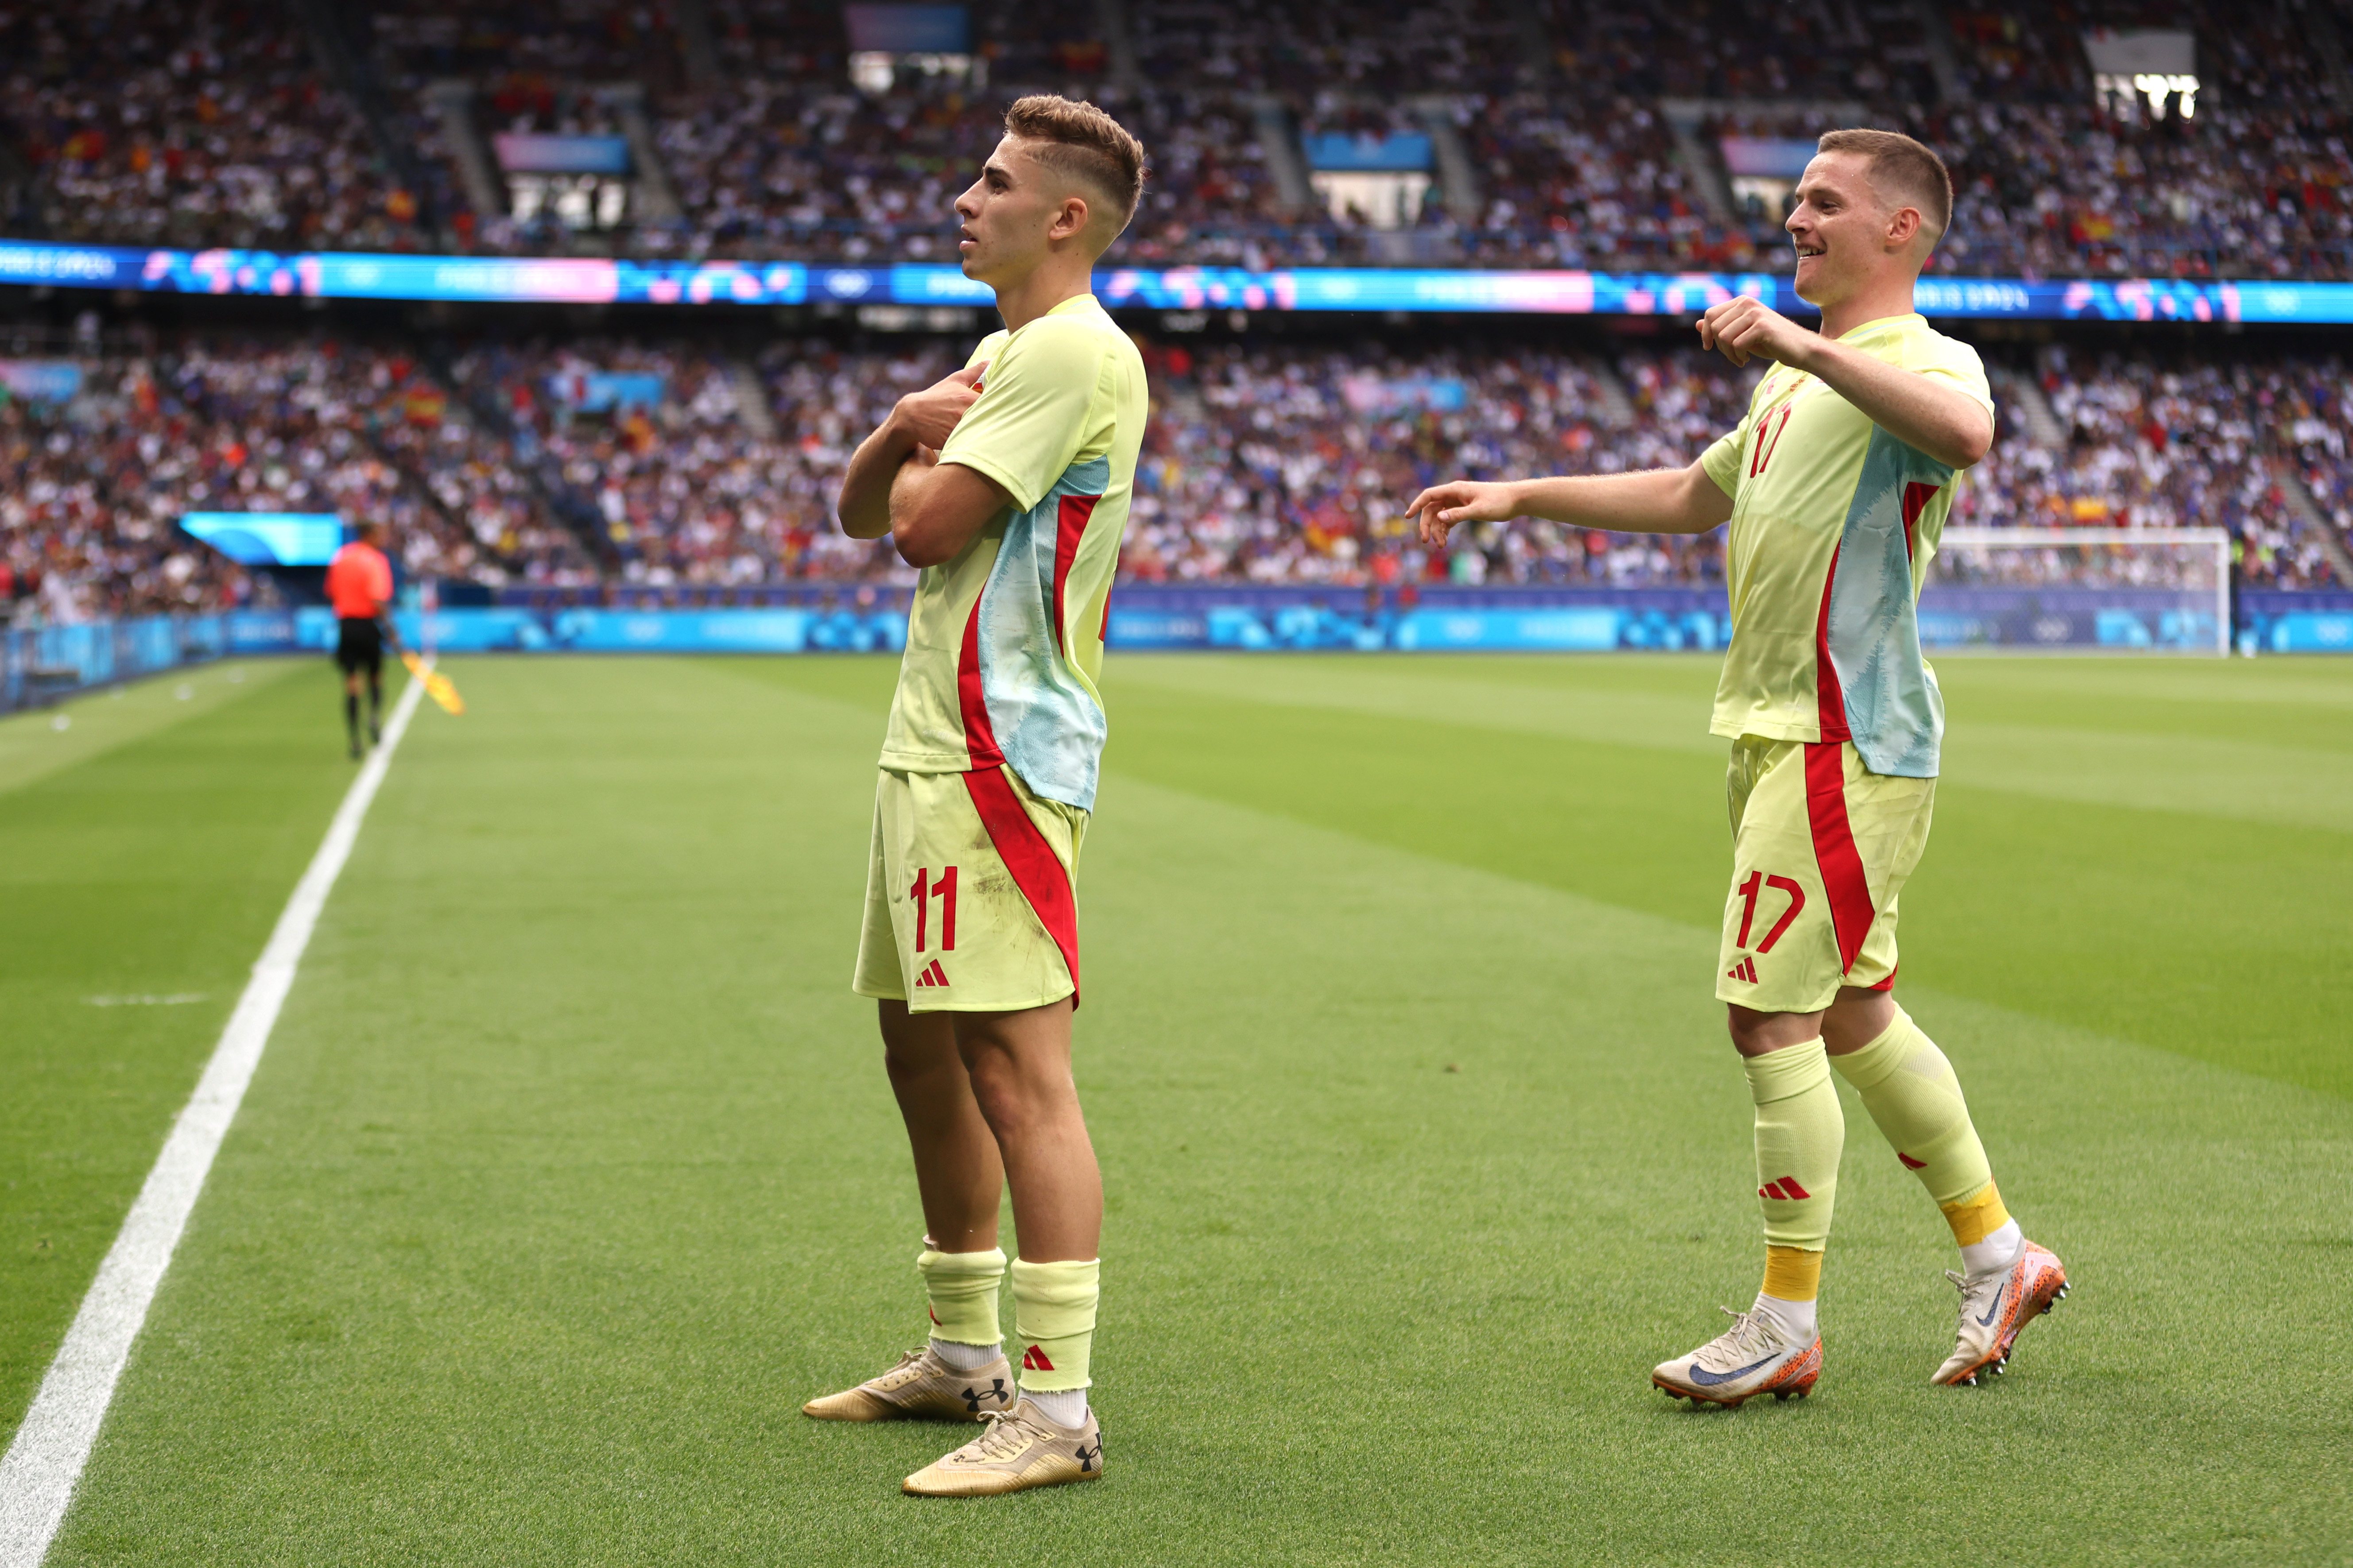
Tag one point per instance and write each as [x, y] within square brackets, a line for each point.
[343, 275]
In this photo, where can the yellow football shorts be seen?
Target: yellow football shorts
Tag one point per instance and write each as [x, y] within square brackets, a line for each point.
[971, 894]
[1821, 846]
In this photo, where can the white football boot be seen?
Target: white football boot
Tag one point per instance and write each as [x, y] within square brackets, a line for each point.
[1995, 1305]
[1749, 1357]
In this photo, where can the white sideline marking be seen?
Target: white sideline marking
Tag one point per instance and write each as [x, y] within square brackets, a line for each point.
[45, 1462]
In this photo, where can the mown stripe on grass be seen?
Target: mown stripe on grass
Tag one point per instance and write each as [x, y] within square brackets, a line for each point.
[154, 868]
[2303, 786]
[33, 746]
[44, 1461]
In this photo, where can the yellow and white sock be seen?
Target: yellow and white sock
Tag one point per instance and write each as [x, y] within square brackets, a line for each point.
[962, 1288]
[1793, 1279]
[1912, 1092]
[1054, 1318]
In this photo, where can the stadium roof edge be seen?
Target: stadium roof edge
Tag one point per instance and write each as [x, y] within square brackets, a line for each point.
[341, 275]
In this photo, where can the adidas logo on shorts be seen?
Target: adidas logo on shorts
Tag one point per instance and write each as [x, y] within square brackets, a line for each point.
[933, 974]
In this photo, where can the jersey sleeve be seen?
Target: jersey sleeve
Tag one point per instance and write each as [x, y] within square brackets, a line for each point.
[1026, 427]
[1954, 364]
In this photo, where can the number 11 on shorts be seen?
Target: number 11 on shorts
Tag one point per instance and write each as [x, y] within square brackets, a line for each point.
[922, 892]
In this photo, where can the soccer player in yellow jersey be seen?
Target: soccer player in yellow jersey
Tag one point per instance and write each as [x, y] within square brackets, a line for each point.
[1008, 483]
[1836, 486]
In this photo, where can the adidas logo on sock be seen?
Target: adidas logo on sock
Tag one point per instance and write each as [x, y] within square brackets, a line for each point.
[1745, 970]
[1787, 1188]
[933, 974]
[1909, 1162]
[1034, 1360]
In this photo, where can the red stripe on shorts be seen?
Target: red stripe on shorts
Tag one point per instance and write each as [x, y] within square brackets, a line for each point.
[1069, 527]
[979, 736]
[1036, 870]
[1834, 851]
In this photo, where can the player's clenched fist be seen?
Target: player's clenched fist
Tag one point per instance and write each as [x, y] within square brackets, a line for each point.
[1743, 329]
[928, 416]
[1440, 507]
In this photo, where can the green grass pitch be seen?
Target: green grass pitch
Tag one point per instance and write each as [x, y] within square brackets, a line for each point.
[571, 1170]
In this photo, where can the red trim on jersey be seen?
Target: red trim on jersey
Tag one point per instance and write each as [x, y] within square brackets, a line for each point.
[1069, 527]
[979, 736]
[1036, 869]
[1916, 497]
[1830, 700]
[1834, 851]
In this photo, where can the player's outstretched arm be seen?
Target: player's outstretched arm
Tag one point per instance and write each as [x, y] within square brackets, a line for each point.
[1660, 500]
[919, 419]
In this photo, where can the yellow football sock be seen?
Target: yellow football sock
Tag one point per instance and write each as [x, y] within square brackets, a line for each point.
[1912, 1094]
[1792, 1274]
[1799, 1132]
[963, 1290]
[1054, 1315]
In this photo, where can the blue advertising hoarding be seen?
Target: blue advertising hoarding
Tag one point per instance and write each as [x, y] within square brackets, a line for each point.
[1305, 619]
[343, 275]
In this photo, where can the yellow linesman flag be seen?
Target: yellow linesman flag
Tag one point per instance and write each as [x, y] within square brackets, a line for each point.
[437, 685]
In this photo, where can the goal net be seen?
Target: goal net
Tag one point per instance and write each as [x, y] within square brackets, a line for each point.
[2161, 590]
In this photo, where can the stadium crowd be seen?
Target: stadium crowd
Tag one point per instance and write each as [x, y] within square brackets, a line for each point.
[196, 123]
[208, 122]
[91, 488]
[683, 467]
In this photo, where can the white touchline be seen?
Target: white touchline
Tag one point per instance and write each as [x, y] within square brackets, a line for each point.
[38, 1475]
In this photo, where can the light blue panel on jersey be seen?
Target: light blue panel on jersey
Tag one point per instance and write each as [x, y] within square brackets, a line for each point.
[1895, 714]
[1049, 725]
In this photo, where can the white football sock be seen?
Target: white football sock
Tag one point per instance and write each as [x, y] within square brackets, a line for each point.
[1999, 1250]
[1793, 1320]
[1063, 1407]
[967, 1358]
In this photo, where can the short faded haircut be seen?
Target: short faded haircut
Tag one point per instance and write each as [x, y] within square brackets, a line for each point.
[1902, 168]
[1080, 141]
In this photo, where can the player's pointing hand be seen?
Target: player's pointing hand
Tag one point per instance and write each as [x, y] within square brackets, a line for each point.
[1440, 507]
[1741, 329]
[930, 415]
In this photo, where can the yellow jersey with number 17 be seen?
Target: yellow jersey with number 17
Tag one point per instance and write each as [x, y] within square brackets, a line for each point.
[1834, 523]
[1005, 641]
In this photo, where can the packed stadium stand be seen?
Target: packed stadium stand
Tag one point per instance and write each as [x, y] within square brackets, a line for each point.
[581, 455]
[1548, 133]
[669, 464]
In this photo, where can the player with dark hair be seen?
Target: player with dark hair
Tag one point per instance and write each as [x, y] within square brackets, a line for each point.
[1836, 486]
[359, 587]
[1008, 483]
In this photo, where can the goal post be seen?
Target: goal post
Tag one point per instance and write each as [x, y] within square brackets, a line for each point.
[2103, 590]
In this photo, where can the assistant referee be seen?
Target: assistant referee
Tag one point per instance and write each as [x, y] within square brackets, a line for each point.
[359, 585]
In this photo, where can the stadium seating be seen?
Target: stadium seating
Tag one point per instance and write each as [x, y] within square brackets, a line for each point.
[671, 465]
[204, 123]
[89, 492]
